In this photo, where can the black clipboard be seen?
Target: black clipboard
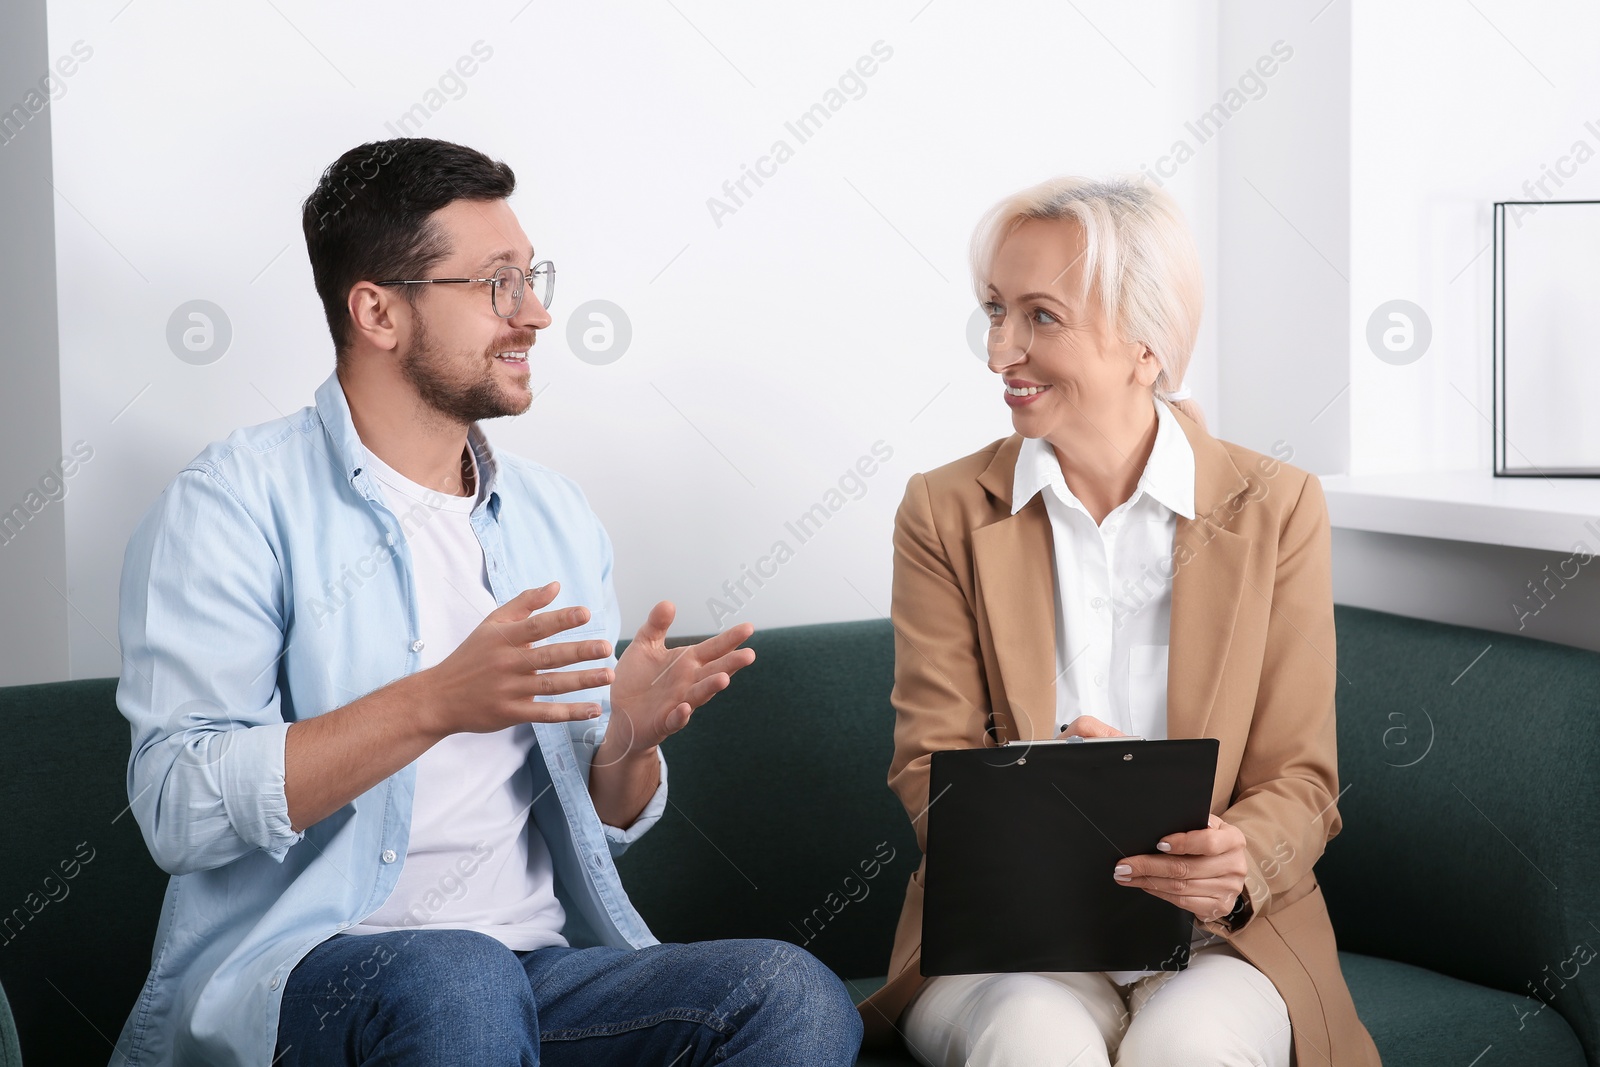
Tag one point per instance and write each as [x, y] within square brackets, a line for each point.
[1021, 842]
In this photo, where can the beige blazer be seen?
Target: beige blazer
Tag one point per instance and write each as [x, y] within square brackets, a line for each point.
[1251, 663]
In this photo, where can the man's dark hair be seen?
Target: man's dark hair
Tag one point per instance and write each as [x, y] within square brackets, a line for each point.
[369, 217]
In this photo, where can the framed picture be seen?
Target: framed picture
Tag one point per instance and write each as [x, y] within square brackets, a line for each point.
[1546, 325]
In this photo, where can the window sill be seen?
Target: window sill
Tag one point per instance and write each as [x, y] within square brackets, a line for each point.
[1550, 514]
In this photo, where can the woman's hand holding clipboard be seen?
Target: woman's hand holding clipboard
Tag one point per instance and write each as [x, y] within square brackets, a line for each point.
[1202, 871]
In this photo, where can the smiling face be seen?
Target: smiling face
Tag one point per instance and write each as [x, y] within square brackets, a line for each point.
[464, 361]
[1065, 369]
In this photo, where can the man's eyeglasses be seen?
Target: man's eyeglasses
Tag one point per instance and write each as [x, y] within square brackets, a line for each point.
[506, 286]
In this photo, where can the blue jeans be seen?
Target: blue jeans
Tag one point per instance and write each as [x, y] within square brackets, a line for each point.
[436, 997]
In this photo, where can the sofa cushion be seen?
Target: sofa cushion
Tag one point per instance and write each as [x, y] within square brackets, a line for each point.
[1419, 1018]
[1471, 840]
[780, 822]
[860, 989]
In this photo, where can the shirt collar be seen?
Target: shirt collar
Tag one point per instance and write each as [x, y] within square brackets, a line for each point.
[333, 408]
[1168, 474]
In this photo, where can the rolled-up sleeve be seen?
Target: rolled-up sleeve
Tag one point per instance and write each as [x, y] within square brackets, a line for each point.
[619, 839]
[202, 628]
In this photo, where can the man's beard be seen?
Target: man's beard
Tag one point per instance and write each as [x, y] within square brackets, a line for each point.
[464, 397]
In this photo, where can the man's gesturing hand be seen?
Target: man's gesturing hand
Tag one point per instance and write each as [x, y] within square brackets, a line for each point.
[1203, 873]
[488, 683]
[658, 688]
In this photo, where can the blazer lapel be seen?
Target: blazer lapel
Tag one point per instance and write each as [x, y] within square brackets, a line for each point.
[1210, 564]
[1018, 599]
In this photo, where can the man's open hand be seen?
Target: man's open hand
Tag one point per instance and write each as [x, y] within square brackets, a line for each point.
[657, 688]
[488, 683]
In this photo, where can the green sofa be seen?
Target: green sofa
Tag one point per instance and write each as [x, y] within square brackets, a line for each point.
[1465, 887]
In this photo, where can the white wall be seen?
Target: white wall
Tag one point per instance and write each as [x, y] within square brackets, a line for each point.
[827, 313]
[1453, 107]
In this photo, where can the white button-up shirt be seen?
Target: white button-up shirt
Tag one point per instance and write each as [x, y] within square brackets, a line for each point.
[1113, 594]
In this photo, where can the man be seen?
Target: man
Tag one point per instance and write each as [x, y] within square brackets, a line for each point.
[379, 736]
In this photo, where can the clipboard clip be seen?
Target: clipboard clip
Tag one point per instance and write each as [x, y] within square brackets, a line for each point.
[1067, 740]
[1022, 760]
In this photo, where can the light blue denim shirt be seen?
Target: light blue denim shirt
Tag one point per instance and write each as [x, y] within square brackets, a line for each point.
[271, 583]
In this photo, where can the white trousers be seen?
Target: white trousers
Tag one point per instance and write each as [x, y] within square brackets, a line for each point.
[1219, 1011]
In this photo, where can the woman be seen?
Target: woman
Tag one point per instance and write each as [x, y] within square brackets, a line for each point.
[1038, 586]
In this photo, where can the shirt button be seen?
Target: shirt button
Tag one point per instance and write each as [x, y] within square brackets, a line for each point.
[416, 646]
[1100, 680]
[1097, 603]
[388, 855]
[274, 983]
[344, 926]
[389, 539]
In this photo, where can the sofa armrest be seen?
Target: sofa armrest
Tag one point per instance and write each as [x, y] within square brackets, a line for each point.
[10, 1050]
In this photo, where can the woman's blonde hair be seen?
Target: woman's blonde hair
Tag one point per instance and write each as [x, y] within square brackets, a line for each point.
[1140, 260]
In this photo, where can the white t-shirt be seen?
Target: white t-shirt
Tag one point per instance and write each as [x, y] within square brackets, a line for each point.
[1113, 594]
[475, 859]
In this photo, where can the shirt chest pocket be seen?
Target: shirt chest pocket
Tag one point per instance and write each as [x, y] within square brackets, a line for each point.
[1147, 690]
